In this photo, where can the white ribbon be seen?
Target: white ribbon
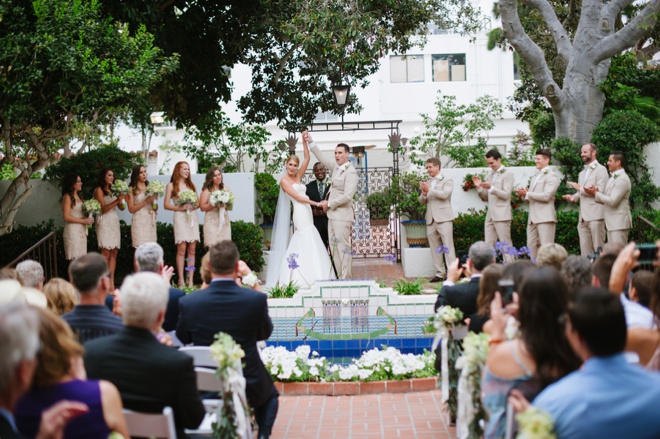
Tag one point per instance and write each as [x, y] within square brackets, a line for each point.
[441, 336]
[465, 413]
[235, 383]
[189, 217]
[221, 212]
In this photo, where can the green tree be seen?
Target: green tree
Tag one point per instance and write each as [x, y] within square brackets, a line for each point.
[458, 132]
[63, 63]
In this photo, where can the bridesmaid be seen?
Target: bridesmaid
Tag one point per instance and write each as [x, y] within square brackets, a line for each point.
[143, 224]
[75, 230]
[186, 227]
[213, 232]
[108, 233]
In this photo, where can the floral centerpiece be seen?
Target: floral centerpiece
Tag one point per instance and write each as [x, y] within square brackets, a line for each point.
[91, 208]
[157, 189]
[471, 411]
[222, 197]
[187, 197]
[232, 419]
[534, 423]
[119, 187]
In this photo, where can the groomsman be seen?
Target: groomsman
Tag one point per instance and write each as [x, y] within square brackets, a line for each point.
[542, 219]
[317, 190]
[497, 192]
[436, 194]
[618, 220]
[591, 226]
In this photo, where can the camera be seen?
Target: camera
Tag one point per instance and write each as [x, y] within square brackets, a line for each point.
[647, 253]
[462, 259]
[505, 287]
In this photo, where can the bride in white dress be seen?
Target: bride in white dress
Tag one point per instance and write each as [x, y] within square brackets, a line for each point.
[303, 259]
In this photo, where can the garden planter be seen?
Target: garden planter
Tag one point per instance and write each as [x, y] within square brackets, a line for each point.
[379, 222]
[416, 233]
[358, 387]
[267, 230]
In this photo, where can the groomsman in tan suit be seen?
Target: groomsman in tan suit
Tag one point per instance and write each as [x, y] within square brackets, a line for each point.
[497, 192]
[339, 206]
[542, 219]
[436, 194]
[591, 226]
[618, 220]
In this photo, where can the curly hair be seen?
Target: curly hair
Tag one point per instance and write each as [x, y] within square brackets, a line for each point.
[208, 180]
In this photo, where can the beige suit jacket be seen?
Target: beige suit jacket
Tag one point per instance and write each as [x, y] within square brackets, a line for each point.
[617, 208]
[499, 197]
[589, 209]
[541, 197]
[344, 186]
[438, 201]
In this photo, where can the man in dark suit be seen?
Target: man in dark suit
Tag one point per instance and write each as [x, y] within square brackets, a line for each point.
[464, 296]
[149, 257]
[317, 190]
[241, 313]
[148, 374]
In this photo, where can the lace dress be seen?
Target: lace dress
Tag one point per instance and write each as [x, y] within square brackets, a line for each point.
[186, 226]
[213, 231]
[108, 234]
[75, 235]
[143, 224]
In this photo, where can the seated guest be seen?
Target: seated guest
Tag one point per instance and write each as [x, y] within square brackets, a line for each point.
[576, 272]
[19, 345]
[552, 255]
[8, 273]
[640, 287]
[464, 296]
[60, 376]
[241, 313]
[148, 374]
[488, 285]
[30, 274]
[205, 271]
[608, 397]
[61, 296]
[539, 357]
[149, 257]
[90, 319]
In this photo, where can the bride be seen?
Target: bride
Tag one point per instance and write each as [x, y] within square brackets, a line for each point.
[303, 259]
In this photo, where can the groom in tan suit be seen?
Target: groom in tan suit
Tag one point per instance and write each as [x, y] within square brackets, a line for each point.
[591, 226]
[339, 206]
[542, 219]
[497, 192]
[618, 220]
[436, 194]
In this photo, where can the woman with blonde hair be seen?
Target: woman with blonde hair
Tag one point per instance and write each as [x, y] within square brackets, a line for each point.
[61, 295]
[59, 376]
[186, 224]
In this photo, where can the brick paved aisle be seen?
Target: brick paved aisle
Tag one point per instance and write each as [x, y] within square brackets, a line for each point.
[416, 415]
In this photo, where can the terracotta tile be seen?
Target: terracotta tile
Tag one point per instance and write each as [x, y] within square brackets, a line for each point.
[294, 388]
[351, 388]
[320, 389]
[374, 387]
[402, 386]
[424, 384]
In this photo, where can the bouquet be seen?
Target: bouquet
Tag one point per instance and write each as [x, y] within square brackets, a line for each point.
[91, 207]
[187, 197]
[119, 187]
[222, 197]
[157, 189]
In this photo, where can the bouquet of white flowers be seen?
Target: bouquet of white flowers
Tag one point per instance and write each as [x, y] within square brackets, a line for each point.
[157, 189]
[91, 207]
[119, 187]
[187, 197]
[222, 197]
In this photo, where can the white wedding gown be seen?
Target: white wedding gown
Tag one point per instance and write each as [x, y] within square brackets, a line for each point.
[306, 247]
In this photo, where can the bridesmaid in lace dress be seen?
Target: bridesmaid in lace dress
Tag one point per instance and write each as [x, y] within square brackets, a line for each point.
[186, 226]
[108, 233]
[143, 225]
[75, 230]
[217, 226]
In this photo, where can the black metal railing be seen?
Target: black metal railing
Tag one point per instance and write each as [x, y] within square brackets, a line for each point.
[646, 231]
[44, 252]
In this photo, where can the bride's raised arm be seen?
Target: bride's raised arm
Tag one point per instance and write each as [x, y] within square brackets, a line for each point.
[288, 189]
[305, 163]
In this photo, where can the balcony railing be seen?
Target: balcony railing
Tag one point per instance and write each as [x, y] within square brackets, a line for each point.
[44, 252]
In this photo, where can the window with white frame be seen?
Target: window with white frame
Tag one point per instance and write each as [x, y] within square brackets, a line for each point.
[409, 68]
[449, 67]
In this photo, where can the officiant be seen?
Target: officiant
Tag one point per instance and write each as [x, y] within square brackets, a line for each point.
[317, 190]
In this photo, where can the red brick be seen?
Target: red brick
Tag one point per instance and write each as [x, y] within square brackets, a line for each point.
[352, 388]
[424, 384]
[372, 387]
[402, 386]
[279, 387]
[294, 389]
[320, 389]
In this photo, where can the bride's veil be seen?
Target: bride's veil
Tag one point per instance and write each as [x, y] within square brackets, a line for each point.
[280, 237]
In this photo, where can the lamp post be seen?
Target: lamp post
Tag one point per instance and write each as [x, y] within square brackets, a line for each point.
[341, 92]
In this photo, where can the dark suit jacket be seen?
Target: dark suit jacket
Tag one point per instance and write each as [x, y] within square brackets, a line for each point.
[241, 313]
[320, 222]
[6, 432]
[172, 311]
[462, 296]
[149, 375]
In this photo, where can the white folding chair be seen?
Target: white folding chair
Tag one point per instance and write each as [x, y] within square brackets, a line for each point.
[201, 356]
[156, 425]
[206, 380]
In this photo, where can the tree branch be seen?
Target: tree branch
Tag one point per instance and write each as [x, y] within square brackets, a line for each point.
[282, 61]
[641, 25]
[564, 47]
[614, 8]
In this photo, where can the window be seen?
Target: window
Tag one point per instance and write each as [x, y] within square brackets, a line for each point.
[449, 67]
[408, 68]
[326, 116]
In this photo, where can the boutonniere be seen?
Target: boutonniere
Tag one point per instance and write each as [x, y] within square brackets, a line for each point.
[546, 172]
[501, 171]
[344, 167]
[441, 177]
[592, 166]
[615, 176]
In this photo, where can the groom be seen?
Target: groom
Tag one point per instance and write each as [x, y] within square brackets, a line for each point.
[340, 204]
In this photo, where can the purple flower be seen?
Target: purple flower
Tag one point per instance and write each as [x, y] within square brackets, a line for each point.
[511, 250]
[442, 250]
[523, 251]
[349, 252]
[390, 258]
[498, 247]
[190, 268]
[291, 260]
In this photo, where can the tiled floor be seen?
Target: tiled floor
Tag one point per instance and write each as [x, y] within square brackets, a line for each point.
[390, 415]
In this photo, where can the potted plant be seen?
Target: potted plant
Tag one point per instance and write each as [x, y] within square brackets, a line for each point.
[379, 205]
[406, 197]
[267, 192]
